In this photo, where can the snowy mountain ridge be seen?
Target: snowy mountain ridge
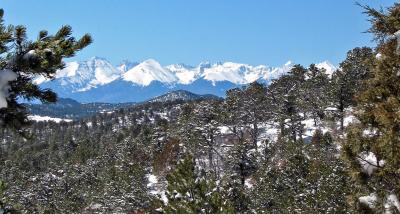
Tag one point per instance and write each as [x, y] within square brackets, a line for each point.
[98, 71]
[97, 80]
[82, 76]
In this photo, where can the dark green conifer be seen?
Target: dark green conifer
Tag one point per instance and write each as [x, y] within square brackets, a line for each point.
[349, 80]
[190, 192]
[373, 143]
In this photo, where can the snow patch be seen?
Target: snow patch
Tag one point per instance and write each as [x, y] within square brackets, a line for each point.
[248, 183]
[368, 200]
[152, 180]
[47, 118]
[29, 55]
[392, 201]
[397, 37]
[369, 162]
[310, 128]
[95, 206]
[224, 130]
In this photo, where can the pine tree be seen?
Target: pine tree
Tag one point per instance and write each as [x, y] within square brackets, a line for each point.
[326, 183]
[253, 99]
[238, 195]
[184, 125]
[348, 80]
[233, 115]
[22, 60]
[285, 99]
[281, 182]
[240, 164]
[242, 161]
[314, 96]
[190, 192]
[373, 143]
[201, 129]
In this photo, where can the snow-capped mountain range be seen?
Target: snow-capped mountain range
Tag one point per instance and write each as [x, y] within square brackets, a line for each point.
[97, 80]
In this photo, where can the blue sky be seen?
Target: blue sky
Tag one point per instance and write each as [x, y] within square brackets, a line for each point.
[256, 32]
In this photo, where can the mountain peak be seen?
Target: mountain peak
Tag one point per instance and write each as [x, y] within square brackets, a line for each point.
[328, 66]
[148, 71]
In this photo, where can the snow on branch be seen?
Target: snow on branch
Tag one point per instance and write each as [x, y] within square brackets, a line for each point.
[397, 37]
[369, 162]
[5, 77]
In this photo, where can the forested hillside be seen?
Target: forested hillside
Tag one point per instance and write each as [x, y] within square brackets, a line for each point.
[311, 141]
[279, 142]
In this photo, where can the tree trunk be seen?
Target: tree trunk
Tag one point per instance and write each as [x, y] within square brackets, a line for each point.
[341, 115]
[210, 152]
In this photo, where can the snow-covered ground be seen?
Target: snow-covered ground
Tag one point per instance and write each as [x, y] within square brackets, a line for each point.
[47, 118]
[156, 188]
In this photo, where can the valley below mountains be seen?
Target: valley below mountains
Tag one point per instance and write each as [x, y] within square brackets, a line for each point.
[69, 109]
